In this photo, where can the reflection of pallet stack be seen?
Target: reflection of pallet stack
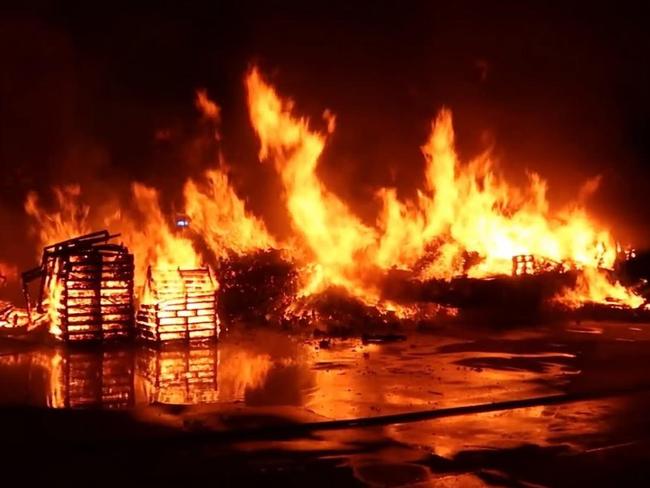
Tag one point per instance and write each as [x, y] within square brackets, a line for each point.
[180, 376]
[178, 304]
[88, 284]
[93, 379]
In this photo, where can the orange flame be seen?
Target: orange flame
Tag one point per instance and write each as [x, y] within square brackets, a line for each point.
[54, 291]
[8, 272]
[220, 217]
[150, 237]
[337, 239]
[472, 209]
[594, 286]
[70, 218]
[208, 108]
[463, 209]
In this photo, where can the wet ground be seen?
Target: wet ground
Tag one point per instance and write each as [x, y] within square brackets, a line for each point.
[235, 413]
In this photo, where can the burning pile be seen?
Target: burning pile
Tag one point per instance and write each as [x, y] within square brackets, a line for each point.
[257, 287]
[466, 222]
[468, 238]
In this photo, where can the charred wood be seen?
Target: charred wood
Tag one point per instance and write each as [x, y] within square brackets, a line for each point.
[256, 287]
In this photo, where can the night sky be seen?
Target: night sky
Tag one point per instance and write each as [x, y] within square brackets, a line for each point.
[85, 87]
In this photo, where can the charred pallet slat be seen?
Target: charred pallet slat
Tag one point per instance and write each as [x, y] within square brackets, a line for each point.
[178, 305]
[87, 287]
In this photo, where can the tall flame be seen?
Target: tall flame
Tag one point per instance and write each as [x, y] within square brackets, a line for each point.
[150, 238]
[462, 210]
[472, 209]
[53, 297]
[466, 219]
[221, 218]
[337, 239]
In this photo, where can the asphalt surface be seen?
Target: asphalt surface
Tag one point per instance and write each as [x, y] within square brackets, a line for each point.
[258, 409]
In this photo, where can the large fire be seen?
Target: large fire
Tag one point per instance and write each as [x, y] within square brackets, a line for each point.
[466, 220]
[341, 246]
[470, 208]
[462, 209]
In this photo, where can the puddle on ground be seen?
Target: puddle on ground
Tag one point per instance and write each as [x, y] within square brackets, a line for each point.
[261, 377]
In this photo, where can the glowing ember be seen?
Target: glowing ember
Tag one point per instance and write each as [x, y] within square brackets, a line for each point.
[13, 319]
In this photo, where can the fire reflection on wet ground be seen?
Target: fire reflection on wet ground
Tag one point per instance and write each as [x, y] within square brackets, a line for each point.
[258, 378]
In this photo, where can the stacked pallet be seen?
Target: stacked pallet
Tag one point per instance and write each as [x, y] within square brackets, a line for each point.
[96, 301]
[87, 288]
[178, 304]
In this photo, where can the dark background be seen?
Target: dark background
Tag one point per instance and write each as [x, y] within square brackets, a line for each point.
[86, 86]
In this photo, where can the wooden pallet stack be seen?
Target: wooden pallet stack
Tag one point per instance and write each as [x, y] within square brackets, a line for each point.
[178, 305]
[95, 280]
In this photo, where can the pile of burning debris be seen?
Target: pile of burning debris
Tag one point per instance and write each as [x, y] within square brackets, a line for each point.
[86, 293]
[256, 288]
[471, 247]
[13, 319]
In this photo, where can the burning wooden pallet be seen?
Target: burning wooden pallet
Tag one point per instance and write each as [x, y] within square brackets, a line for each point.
[179, 304]
[86, 288]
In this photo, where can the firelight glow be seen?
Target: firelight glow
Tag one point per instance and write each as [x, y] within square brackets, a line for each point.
[461, 209]
[466, 220]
